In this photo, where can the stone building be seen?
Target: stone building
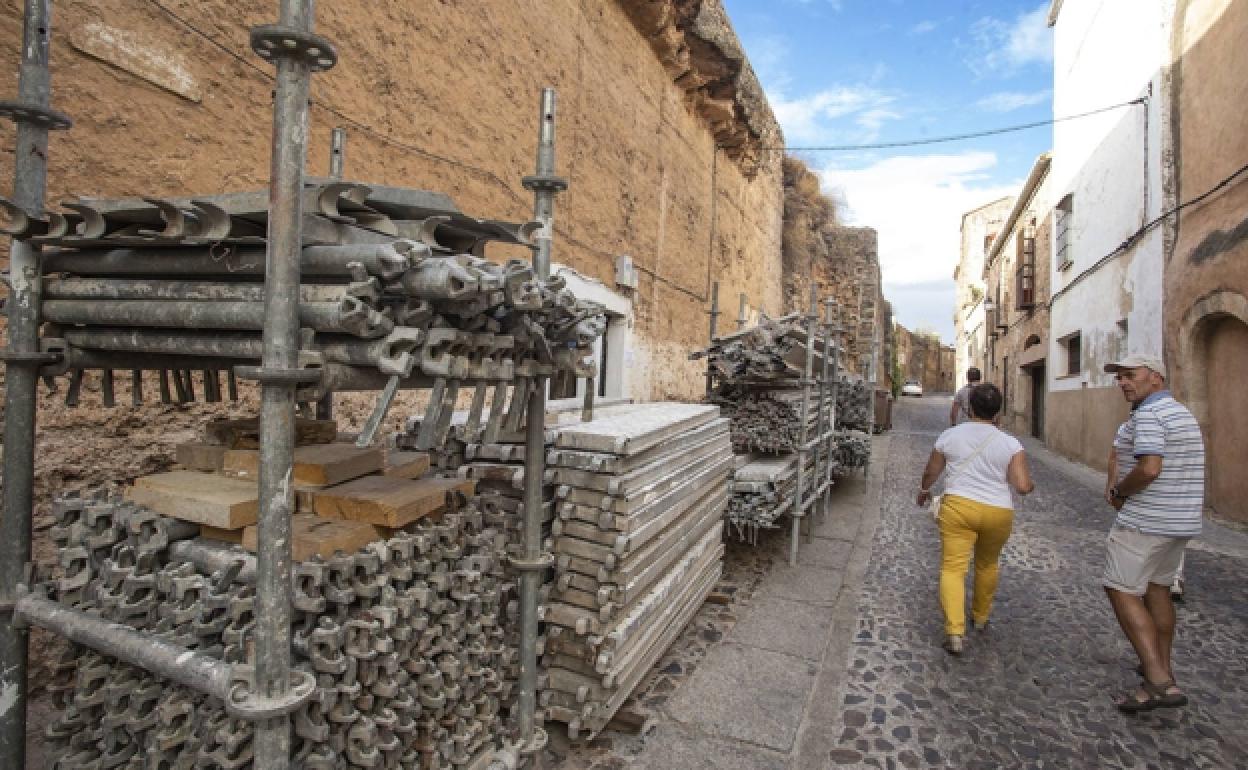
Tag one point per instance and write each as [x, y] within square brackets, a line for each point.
[980, 227]
[663, 132]
[1016, 277]
[1206, 265]
[922, 357]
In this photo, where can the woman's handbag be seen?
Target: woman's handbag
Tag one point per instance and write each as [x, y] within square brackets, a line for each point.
[934, 506]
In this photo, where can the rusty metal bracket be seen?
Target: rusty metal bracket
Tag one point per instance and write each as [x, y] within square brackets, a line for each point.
[245, 703]
[27, 112]
[274, 41]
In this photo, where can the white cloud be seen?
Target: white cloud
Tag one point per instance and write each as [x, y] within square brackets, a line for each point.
[1003, 47]
[1008, 101]
[923, 27]
[916, 203]
[808, 119]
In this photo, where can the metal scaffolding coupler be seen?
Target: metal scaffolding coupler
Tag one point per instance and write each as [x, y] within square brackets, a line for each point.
[274, 41]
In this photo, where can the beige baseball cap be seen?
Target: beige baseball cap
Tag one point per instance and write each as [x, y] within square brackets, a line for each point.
[1136, 360]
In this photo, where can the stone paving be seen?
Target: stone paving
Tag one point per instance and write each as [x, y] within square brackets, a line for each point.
[836, 663]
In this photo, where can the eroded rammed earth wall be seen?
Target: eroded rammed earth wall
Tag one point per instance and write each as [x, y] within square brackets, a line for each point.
[663, 131]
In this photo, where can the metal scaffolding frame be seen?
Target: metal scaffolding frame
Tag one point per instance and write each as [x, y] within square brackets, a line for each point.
[267, 693]
[22, 357]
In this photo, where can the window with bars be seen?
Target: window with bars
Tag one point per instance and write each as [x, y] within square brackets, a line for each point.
[1063, 219]
[1025, 273]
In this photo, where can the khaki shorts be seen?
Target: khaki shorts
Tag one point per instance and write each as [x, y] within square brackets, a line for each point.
[1135, 559]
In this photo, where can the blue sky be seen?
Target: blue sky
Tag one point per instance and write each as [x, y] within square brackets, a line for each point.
[843, 72]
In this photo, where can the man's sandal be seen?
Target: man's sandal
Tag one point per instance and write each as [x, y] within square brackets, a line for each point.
[1157, 698]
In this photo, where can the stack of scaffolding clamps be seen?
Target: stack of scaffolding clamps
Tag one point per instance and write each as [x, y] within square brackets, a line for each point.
[398, 645]
[395, 293]
[637, 545]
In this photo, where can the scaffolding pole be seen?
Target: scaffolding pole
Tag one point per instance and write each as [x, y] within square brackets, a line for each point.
[799, 506]
[545, 186]
[22, 358]
[297, 53]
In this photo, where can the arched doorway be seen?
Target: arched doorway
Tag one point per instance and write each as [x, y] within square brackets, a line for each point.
[1227, 346]
[1213, 343]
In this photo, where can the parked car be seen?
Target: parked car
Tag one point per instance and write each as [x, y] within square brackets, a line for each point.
[912, 388]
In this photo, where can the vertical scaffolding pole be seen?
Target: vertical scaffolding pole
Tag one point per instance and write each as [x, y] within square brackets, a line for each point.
[544, 185]
[297, 53]
[829, 375]
[822, 457]
[799, 510]
[714, 314]
[741, 319]
[34, 118]
[337, 160]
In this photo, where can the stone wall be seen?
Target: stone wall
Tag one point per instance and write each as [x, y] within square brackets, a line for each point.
[1206, 273]
[663, 132]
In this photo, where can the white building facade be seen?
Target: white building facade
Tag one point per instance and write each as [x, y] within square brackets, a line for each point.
[1107, 183]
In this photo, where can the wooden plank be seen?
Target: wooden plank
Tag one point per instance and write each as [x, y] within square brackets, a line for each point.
[406, 465]
[313, 535]
[386, 501]
[198, 456]
[224, 535]
[245, 433]
[318, 465]
[217, 501]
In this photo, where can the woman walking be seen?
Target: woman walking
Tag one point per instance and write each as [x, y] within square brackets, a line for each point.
[976, 511]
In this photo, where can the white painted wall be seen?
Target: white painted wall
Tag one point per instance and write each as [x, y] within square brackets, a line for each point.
[623, 360]
[1106, 53]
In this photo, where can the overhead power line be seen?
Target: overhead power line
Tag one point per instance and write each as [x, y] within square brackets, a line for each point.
[1135, 237]
[960, 137]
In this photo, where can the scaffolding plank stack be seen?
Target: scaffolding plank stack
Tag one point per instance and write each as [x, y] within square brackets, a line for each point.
[638, 546]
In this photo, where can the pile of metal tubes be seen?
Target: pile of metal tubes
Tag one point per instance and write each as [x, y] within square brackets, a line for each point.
[395, 293]
[768, 420]
[774, 350]
[398, 647]
[853, 405]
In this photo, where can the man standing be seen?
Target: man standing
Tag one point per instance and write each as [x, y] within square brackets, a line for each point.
[1156, 482]
[960, 412]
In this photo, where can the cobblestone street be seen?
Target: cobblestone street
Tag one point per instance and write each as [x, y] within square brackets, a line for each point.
[837, 663]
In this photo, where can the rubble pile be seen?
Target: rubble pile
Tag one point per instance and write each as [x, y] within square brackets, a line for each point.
[400, 642]
[637, 544]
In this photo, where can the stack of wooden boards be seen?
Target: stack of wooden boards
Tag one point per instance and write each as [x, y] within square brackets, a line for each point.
[345, 496]
[638, 546]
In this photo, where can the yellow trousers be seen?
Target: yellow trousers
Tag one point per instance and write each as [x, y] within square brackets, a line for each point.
[967, 526]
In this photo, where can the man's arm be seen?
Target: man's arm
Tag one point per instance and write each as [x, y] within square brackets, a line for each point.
[1111, 474]
[1147, 468]
[953, 410]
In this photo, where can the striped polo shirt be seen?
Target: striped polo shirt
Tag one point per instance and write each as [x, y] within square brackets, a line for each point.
[1173, 504]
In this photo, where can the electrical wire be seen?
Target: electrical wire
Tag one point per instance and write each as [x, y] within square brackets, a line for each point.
[960, 137]
[1134, 238]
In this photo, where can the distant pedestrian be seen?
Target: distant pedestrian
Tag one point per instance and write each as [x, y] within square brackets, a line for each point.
[976, 511]
[961, 410]
[1156, 482]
